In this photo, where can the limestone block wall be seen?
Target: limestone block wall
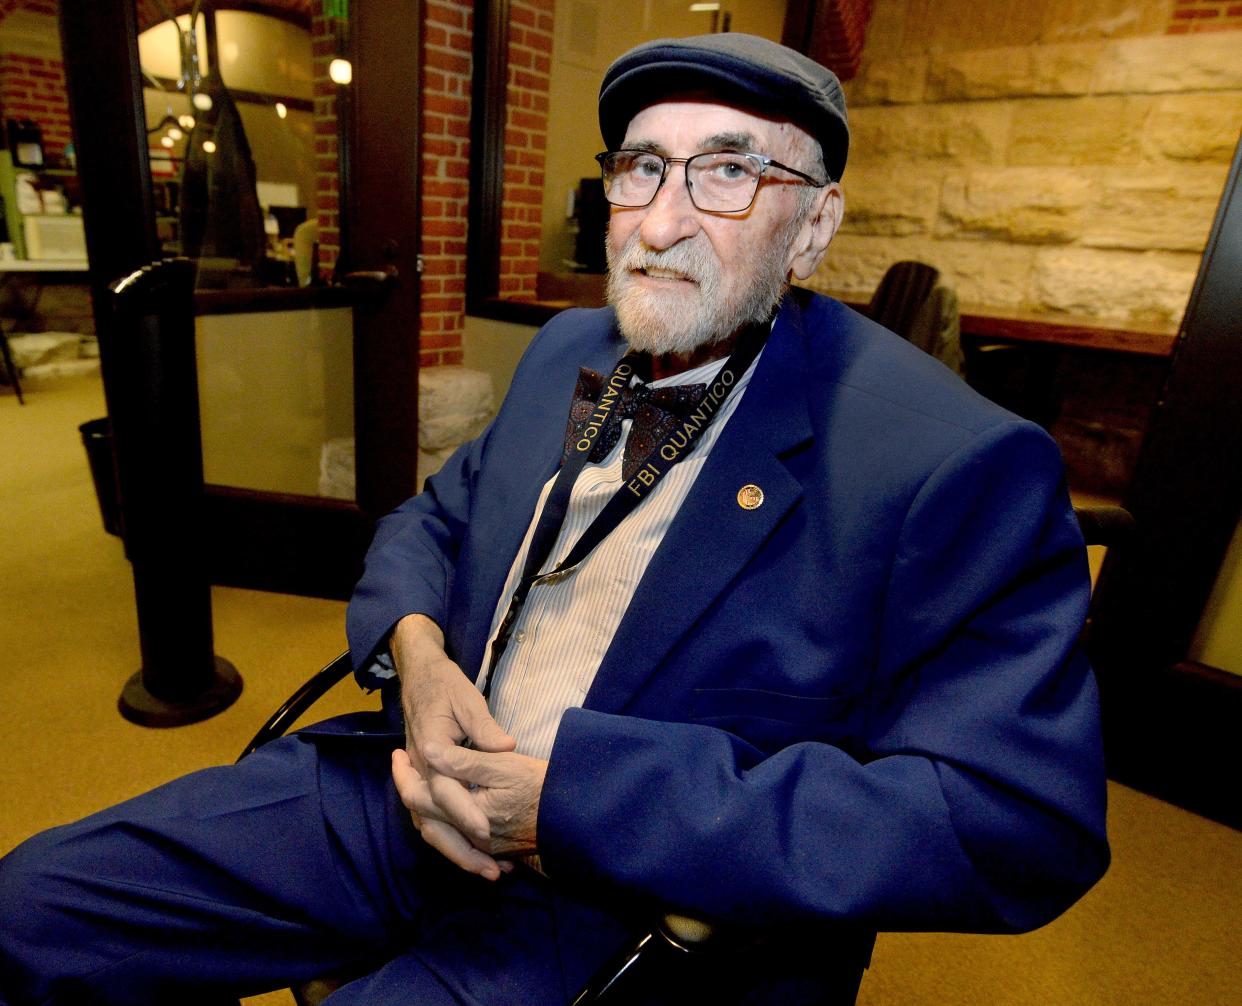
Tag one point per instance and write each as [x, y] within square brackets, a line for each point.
[455, 404]
[1068, 176]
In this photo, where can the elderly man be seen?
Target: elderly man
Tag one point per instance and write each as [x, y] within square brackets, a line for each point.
[777, 629]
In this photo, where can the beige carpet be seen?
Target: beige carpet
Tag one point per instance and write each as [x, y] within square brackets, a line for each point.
[1164, 927]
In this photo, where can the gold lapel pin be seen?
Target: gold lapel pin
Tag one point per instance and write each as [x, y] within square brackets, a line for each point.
[750, 497]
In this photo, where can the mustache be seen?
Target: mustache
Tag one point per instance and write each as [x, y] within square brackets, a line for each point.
[688, 258]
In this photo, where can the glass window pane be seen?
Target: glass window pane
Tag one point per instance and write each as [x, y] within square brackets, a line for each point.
[276, 399]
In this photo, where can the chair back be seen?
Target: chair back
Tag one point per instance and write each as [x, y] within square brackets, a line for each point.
[900, 297]
[913, 301]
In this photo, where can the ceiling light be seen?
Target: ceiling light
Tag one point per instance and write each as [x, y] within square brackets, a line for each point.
[340, 71]
[175, 133]
[281, 110]
[209, 146]
[166, 141]
[187, 121]
[202, 101]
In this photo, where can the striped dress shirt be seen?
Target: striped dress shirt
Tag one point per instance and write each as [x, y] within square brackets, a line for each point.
[564, 629]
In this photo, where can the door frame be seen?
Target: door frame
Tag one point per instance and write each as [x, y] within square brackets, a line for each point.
[1171, 725]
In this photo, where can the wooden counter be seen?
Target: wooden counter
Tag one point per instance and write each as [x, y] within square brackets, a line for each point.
[1146, 339]
[982, 323]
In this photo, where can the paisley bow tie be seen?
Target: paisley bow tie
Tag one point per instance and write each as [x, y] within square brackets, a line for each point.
[655, 412]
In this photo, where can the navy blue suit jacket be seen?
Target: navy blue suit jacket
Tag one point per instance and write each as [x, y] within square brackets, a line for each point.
[862, 703]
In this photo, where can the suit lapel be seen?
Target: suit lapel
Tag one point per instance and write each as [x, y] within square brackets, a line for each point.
[713, 536]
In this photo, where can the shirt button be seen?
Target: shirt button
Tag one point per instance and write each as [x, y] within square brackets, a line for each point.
[519, 636]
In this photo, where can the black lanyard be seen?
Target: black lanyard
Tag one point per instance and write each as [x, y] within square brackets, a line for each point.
[675, 446]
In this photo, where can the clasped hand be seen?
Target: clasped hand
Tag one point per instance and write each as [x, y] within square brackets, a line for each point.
[477, 804]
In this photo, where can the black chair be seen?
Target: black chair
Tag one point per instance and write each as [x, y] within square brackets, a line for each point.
[674, 939]
[1104, 524]
[913, 300]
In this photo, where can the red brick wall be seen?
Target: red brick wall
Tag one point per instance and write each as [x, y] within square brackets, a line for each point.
[33, 87]
[327, 178]
[445, 184]
[447, 68]
[526, 141]
[1205, 15]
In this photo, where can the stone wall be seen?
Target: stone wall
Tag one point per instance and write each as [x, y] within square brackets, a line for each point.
[1042, 165]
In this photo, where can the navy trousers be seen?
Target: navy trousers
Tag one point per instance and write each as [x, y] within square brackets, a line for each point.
[298, 861]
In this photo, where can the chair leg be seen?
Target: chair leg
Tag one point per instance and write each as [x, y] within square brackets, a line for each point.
[10, 368]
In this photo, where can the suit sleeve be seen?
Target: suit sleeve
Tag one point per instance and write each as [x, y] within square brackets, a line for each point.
[409, 566]
[973, 798]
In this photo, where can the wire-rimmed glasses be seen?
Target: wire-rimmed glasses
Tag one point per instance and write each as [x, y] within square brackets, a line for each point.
[719, 181]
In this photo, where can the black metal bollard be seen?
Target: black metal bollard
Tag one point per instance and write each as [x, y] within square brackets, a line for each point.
[159, 462]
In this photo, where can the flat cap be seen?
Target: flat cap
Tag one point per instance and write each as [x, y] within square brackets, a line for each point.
[750, 71]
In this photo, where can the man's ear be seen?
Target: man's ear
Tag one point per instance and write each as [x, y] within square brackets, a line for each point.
[811, 244]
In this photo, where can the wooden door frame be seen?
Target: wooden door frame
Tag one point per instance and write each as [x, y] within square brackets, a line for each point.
[385, 234]
[1172, 725]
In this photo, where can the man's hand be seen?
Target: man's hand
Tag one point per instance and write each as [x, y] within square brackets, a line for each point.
[500, 812]
[442, 710]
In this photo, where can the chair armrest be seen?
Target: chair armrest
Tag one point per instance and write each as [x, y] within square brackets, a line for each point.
[673, 936]
[1105, 524]
[301, 700]
[686, 933]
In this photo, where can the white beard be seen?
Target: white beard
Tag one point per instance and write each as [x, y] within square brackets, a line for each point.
[707, 310]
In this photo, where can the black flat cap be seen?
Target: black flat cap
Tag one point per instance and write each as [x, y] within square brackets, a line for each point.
[752, 72]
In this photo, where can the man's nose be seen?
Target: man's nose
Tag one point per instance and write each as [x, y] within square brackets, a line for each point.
[671, 216]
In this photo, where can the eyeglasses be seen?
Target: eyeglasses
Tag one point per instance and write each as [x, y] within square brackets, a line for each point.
[720, 181]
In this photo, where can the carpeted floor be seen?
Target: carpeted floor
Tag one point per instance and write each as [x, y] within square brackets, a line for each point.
[1162, 928]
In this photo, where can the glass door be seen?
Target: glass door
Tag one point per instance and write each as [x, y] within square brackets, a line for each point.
[270, 163]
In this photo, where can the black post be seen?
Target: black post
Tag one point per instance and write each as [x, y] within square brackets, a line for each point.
[104, 84]
[159, 459]
[180, 681]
